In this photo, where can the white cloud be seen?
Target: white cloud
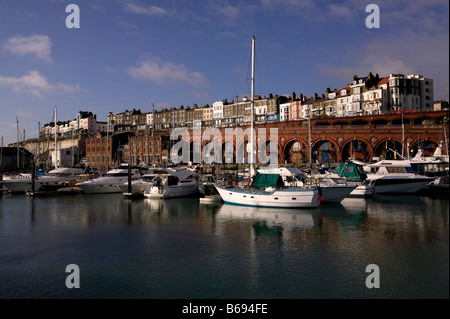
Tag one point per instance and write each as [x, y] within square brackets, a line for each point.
[36, 84]
[229, 12]
[341, 12]
[155, 70]
[38, 45]
[151, 10]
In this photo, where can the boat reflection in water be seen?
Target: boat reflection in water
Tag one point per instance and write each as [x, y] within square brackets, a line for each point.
[269, 217]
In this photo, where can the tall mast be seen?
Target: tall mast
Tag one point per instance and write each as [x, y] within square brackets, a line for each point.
[56, 146]
[1, 155]
[17, 129]
[309, 140]
[153, 136]
[236, 144]
[252, 101]
[38, 161]
[403, 135]
[107, 142]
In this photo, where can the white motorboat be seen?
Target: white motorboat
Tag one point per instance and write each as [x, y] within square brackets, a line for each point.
[395, 176]
[350, 173]
[170, 185]
[209, 193]
[55, 177]
[109, 183]
[155, 177]
[435, 165]
[332, 190]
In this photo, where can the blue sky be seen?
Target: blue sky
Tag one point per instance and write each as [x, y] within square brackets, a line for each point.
[134, 53]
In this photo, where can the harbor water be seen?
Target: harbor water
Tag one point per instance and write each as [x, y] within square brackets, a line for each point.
[385, 247]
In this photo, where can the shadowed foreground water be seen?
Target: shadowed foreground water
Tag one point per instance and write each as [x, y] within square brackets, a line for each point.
[180, 248]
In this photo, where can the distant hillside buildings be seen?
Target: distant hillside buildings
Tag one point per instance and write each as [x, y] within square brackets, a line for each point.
[370, 95]
[132, 132]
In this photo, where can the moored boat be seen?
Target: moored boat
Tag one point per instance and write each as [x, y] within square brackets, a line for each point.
[52, 178]
[109, 183]
[154, 177]
[171, 186]
[268, 190]
[396, 176]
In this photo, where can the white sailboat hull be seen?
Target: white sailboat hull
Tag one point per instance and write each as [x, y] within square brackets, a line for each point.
[280, 198]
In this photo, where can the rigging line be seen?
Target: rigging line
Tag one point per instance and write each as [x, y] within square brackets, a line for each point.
[243, 77]
[265, 65]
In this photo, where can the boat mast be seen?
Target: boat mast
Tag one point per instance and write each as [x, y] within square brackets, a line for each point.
[1, 162]
[403, 136]
[153, 136]
[236, 143]
[309, 141]
[56, 146]
[252, 102]
[17, 129]
[38, 161]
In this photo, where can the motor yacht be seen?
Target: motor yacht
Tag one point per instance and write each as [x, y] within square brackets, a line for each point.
[23, 183]
[110, 182]
[158, 176]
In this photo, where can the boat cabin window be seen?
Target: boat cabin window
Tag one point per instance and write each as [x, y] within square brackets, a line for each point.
[290, 179]
[116, 174]
[396, 170]
[348, 169]
[148, 178]
[65, 174]
[52, 174]
[173, 180]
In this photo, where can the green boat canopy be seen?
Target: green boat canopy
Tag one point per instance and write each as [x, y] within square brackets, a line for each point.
[267, 180]
[352, 171]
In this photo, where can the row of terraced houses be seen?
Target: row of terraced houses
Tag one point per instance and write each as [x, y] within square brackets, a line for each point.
[110, 142]
[370, 95]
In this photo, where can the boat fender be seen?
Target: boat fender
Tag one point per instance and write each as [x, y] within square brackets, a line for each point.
[307, 182]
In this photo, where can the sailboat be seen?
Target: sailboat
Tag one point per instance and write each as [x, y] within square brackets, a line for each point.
[54, 180]
[268, 190]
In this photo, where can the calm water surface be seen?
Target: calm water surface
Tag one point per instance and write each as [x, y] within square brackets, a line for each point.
[180, 248]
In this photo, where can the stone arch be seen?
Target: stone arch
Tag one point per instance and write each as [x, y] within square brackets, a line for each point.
[295, 151]
[357, 148]
[388, 149]
[324, 151]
